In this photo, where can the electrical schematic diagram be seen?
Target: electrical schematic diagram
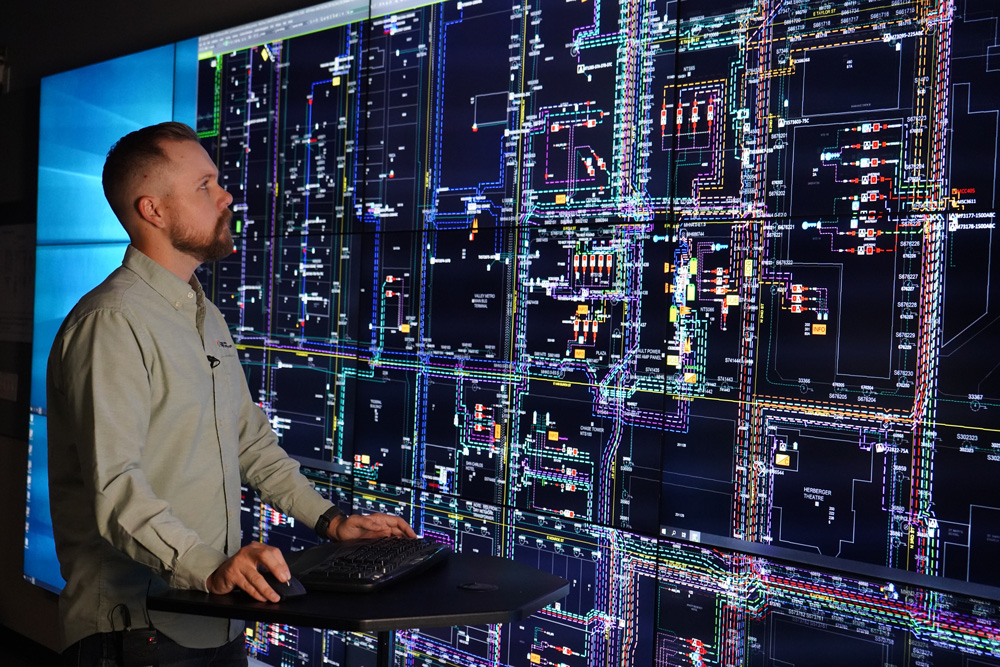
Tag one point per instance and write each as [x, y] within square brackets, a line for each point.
[689, 302]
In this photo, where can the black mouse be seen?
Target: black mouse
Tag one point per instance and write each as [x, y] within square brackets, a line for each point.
[285, 589]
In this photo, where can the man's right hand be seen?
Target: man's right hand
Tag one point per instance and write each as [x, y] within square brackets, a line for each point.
[240, 571]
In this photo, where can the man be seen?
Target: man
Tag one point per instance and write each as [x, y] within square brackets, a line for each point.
[152, 429]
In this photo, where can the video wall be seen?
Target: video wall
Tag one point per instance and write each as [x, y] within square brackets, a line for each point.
[688, 302]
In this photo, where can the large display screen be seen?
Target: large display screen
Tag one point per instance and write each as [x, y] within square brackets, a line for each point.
[688, 302]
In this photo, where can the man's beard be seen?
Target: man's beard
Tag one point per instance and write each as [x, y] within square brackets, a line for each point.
[206, 250]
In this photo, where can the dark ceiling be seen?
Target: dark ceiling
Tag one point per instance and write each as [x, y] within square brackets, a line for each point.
[43, 37]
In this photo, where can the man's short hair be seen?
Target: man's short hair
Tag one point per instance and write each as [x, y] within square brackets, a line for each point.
[133, 155]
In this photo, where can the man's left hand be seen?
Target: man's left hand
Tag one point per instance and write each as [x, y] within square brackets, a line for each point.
[367, 526]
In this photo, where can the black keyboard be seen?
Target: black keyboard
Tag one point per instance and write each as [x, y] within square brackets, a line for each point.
[363, 565]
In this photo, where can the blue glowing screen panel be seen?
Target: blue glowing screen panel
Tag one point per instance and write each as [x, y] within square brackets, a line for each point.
[687, 302]
[82, 113]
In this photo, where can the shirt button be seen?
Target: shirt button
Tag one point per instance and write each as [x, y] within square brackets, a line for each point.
[177, 305]
[190, 295]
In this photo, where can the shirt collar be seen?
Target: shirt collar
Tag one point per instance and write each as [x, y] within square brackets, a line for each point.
[177, 292]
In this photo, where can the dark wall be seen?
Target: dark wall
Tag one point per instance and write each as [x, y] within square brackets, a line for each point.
[39, 38]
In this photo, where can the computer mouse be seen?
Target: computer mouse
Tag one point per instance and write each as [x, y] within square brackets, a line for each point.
[285, 589]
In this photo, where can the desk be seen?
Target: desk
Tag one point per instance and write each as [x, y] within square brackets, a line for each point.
[506, 591]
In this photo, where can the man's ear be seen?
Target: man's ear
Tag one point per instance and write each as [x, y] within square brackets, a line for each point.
[150, 209]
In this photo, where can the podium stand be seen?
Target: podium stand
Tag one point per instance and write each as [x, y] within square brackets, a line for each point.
[466, 589]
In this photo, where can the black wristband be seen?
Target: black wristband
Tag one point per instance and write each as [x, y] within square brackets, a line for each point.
[323, 524]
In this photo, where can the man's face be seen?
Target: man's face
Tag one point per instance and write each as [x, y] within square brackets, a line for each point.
[198, 206]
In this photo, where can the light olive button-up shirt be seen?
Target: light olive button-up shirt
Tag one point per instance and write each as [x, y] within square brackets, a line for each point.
[148, 446]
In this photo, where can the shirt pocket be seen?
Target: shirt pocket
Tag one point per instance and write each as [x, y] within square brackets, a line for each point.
[229, 379]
